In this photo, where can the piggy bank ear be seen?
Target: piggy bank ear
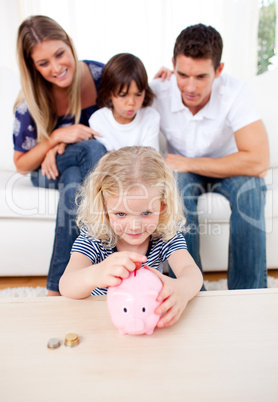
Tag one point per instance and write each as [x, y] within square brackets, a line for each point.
[151, 294]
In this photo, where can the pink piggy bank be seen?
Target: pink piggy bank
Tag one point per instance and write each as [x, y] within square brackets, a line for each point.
[132, 304]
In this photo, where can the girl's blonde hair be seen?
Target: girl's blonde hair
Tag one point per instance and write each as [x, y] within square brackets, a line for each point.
[35, 89]
[114, 175]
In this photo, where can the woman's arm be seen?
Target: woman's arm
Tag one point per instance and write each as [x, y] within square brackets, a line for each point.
[26, 162]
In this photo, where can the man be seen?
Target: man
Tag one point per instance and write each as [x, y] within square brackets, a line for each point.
[216, 142]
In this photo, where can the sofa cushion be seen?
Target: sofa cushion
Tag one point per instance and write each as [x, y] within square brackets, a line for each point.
[26, 246]
[20, 199]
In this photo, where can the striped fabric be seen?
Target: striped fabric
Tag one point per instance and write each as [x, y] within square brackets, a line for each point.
[158, 251]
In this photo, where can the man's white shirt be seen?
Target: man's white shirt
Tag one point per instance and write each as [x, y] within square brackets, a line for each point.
[210, 132]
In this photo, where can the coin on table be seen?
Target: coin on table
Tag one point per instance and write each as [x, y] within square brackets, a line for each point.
[71, 339]
[53, 343]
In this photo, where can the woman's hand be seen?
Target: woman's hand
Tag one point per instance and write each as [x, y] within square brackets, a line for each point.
[172, 297]
[62, 137]
[74, 133]
[118, 266]
[48, 166]
[26, 162]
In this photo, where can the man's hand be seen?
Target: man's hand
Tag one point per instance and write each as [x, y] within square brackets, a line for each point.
[164, 73]
[178, 163]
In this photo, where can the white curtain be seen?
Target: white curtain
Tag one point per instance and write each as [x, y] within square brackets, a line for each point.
[275, 59]
[147, 28]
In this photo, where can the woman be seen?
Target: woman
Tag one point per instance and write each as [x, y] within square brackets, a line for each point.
[52, 137]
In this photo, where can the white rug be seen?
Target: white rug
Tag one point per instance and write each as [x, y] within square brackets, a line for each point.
[41, 292]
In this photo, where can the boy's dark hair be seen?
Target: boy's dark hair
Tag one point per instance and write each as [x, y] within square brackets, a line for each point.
[119, 72]
[200, 42]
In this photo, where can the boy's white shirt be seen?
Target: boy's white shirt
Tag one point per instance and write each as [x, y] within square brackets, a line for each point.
[142, 130]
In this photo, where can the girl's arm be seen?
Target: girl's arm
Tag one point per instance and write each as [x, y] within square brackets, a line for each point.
[176, 293]
[81, 277]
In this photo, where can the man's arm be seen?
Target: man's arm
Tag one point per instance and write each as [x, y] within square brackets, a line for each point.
[252, 158]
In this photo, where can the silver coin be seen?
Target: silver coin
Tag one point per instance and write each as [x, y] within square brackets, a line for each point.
[53, 343]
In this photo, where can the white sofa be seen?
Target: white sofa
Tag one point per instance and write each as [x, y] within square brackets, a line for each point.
[27, 214]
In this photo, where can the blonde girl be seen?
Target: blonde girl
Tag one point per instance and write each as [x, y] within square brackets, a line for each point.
[130, 214]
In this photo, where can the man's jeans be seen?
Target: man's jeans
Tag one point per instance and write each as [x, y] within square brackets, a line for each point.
[77, 160]
[247, 243]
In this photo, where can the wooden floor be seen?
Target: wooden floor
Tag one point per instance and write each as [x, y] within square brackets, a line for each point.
[34, 281]
[19, 281]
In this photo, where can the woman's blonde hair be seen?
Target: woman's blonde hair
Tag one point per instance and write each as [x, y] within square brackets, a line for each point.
[114, 175]
[35, 89]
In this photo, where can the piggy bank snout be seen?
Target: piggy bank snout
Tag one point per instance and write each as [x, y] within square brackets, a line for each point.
[134, 316]
[135, 326]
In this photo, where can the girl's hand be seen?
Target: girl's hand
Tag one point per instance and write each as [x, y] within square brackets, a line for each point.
[172, 297]
[164, 73]
[117, 267]
[74, 133]
[48, 166]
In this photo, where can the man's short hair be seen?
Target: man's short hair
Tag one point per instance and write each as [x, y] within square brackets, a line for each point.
[199, 42]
